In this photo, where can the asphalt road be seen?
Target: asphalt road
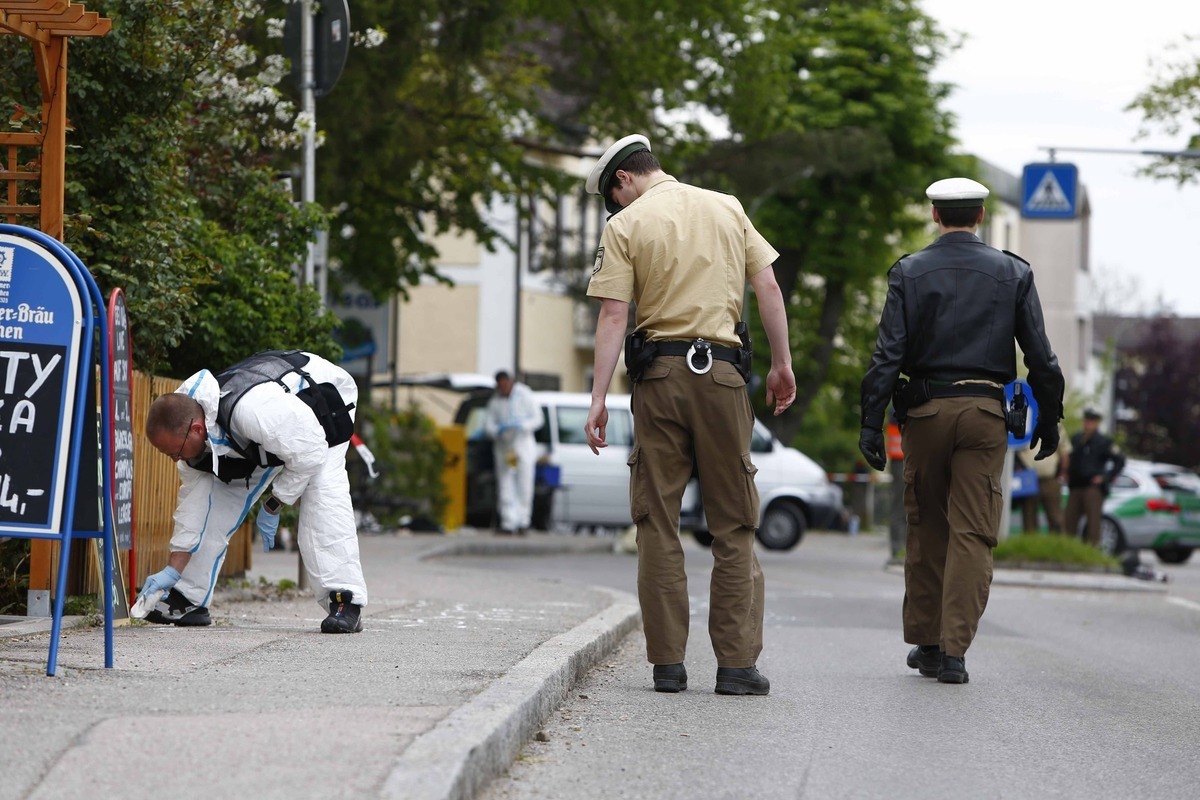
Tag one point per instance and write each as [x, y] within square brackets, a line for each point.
[1073, 694]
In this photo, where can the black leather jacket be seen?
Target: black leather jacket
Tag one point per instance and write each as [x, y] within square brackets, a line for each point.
[952, 313]
[1091, 456]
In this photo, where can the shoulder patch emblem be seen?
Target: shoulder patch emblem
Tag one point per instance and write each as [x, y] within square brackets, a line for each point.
[599, 260]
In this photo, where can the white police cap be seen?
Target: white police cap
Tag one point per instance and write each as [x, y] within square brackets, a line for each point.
[957, 193]
[606, 167]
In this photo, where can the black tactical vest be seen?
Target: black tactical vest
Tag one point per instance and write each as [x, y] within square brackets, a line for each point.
[272, 366]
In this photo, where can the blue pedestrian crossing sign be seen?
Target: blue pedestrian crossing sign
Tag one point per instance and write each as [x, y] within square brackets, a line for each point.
[1049, 191]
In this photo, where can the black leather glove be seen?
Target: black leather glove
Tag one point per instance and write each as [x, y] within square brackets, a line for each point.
[870, 444]
[1047, 434]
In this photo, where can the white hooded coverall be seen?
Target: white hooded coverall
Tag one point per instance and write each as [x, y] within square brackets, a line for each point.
[515, 453]
[209, 511]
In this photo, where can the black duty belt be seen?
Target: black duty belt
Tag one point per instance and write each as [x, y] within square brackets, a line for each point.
[940, 389]
[696, 350]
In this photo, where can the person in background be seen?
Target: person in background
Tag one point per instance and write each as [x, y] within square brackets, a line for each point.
[1095, 461]
[512, 418]
[1051, 477]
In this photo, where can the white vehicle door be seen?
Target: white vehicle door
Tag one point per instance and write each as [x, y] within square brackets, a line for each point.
[595, 488]
[766, 454]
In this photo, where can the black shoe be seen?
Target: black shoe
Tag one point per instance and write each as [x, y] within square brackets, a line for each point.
[953, 670]
[927, 658]
[175, 609]
[670, 678]
[741, 680]
[343, 614]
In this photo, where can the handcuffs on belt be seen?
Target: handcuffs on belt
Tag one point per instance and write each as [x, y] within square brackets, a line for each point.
[699, 357]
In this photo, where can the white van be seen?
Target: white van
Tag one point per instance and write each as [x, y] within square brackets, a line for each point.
[593, 490]
[794, 494]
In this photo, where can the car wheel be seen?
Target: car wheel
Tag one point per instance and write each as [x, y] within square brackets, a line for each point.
[1112, 539]
[703, 538]
[1174, 554]
[782, 527]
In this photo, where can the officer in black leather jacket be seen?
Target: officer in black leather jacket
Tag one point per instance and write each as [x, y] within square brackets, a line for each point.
[952, 315]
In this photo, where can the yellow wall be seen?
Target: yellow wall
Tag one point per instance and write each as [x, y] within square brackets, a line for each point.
[548, 339]
[439, 329]
[457, 248]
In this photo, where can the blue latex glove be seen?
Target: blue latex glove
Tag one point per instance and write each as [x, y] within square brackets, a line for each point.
[268, 526]
[164, 579]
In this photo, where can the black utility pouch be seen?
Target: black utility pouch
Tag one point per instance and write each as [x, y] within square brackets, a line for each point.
[331, 411]
[1016, 415]
[745, 352]
[638, 354]
[908, 395]
[900, 401]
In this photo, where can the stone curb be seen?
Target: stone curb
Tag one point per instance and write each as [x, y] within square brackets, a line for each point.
[518, 546]
[27, 626]
[480, 740]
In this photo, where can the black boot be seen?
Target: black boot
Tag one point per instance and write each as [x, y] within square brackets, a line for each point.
[953, 670]
[343, 614]
[175, 609]
[741, 680]
[670, 678]
[927, 658]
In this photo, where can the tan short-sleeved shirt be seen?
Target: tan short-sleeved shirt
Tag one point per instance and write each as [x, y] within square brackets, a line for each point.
[683, 255]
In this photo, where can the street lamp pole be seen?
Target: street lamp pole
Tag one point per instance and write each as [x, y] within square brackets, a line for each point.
[1123, 151]
[308, 107]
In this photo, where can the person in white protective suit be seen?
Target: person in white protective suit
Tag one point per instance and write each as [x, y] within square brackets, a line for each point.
[252, 433]
[512, 417]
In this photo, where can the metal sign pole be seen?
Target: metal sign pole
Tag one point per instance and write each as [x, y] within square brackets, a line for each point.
[308, 107]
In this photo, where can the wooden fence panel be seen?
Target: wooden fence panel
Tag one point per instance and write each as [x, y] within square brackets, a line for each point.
[155, 488]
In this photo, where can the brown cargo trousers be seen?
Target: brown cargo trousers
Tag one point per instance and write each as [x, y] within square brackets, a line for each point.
[953, 458]
[1085, 501]
[680, 417]
[1050, 497]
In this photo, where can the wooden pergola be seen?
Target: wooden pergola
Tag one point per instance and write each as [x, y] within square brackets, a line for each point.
[47, 24]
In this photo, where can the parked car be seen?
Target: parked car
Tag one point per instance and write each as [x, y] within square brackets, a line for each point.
[1154, 507]
[794, 492]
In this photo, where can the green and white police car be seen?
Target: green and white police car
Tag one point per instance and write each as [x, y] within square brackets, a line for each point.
[1152, 506]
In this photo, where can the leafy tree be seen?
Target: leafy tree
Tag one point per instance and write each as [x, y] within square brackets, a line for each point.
[1172, 103]
[170, 189]
[1165, 398]
[424, 133]
[837, 128]
[409, 460]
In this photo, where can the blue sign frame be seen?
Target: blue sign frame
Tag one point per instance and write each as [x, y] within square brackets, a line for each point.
[42, 280]
[1018, 442]
[1050, 191]
[40, 327]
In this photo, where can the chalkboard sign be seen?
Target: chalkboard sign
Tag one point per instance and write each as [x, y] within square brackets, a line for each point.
[41, 318]
[120, 370]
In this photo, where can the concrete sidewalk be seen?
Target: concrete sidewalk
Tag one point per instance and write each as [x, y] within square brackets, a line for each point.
[455, 669]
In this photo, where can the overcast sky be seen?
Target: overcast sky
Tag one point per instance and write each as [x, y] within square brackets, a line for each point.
[1059, 73]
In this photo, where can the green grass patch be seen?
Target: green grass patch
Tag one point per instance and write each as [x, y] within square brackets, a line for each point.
[1046, 549]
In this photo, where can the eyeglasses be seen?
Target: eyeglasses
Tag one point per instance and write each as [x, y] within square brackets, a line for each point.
[179, 455]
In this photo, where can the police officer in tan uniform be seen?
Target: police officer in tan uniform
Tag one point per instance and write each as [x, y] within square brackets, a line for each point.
[952, 313]
[683, 255]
